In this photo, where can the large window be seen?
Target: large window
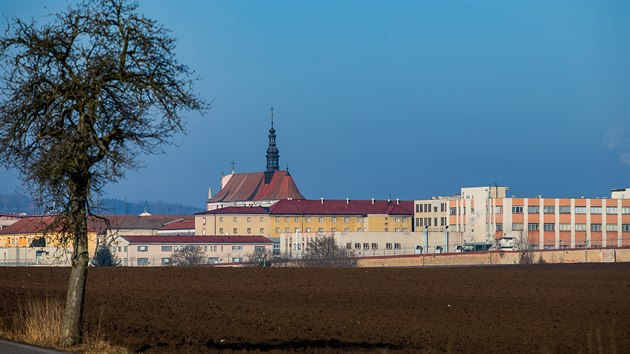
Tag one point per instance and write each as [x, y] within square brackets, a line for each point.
[166, 261]
[517, 227]
[549, 227]
[549, 209]
[625, 210]
[580, 210]
[452, 211]
[580, 227]
[564, 227]
[143, 248]
[533, 226]
[596, 210]
[499, 227]
[533, 209]
[596, 227]
[142, 261]
[611, 227]
[167, 248]
[625, 227]
[517, 209]
[565, 210]
[611, 210]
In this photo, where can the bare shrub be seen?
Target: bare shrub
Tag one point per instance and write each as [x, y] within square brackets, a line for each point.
[260, 257]
[325, 252]
[189, 256]
[526, 250]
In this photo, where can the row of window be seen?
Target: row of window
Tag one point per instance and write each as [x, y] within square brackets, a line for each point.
[457, 211]
[565, 227]
[235, 231]
[235, 219]
[427, 221]
[333, 229]
[427, 208]
[168, 260]
[374, 246]
[550, 209]
[211, 248]
[320, 219]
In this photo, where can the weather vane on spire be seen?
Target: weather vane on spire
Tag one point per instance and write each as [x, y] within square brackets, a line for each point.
[233, 163]
[272, 117]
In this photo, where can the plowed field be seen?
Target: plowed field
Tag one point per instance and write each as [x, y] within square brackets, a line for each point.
[517, 309]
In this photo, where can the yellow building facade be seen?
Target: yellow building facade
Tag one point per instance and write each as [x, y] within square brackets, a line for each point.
[34, 232]
[231, 221]
[303, 216]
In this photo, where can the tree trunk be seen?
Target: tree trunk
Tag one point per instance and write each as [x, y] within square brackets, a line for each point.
[71, 331]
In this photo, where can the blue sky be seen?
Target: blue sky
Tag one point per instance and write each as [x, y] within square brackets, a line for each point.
[403, 98]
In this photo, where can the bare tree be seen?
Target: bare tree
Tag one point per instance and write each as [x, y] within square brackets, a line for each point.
[525, 248]
[260, 257]
[189, 256]
[82, 96]
[325, 252]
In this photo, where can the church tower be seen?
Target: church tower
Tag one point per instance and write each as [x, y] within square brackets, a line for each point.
[273, 156]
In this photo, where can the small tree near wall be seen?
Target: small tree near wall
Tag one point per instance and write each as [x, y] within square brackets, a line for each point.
[260, 257]
[104, 257]
[325, 252]
[189, 256]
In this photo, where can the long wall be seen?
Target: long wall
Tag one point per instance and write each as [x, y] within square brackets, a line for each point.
[609, 255]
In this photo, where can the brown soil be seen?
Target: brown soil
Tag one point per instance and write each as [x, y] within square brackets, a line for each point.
[535, 308]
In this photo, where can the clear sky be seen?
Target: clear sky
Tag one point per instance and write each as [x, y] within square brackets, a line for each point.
[403, 98]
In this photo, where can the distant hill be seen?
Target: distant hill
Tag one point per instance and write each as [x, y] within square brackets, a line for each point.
[117, 206]
[15, 204]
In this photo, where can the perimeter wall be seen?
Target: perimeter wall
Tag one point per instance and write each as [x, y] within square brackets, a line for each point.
[609, 255]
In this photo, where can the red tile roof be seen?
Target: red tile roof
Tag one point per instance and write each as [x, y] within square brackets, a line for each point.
[181, 224]
[141, 222]
[38, 224]
[197, 239]
[341, 207]
[237, 210]
[274, 185]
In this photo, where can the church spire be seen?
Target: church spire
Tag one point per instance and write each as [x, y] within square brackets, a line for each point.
[273, 156]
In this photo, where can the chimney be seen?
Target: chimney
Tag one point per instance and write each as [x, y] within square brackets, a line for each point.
[372, 200]
[397, 201]
[322, 200]
[347, 200]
